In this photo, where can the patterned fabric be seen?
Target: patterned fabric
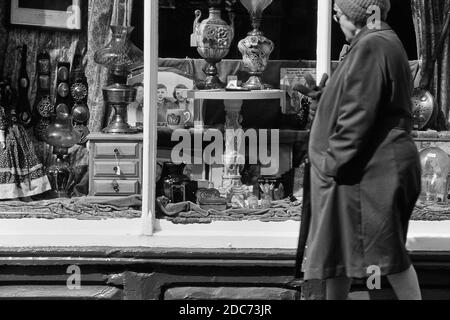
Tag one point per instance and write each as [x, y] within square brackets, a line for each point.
[99, 17]
[3, 32]
[55, 42]
[428, 17]
[100, 12]
[21, 173]
[3, 119]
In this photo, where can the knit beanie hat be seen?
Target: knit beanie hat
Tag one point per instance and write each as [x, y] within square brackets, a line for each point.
[356, 10]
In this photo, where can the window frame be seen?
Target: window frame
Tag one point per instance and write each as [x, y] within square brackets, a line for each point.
[133, 228]
[151, 43]
[144, 232]
[139, 229]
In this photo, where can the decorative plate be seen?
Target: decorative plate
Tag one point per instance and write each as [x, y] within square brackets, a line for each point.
[423, 108]
[79, 91]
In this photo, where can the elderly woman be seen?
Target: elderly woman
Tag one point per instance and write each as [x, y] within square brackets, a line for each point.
[365, 167]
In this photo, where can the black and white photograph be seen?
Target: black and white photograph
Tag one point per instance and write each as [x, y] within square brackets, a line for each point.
[227, 156]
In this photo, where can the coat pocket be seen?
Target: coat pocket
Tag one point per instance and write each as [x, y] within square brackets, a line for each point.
[325, 180]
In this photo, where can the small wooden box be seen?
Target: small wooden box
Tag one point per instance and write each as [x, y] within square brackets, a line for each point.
[115, 164]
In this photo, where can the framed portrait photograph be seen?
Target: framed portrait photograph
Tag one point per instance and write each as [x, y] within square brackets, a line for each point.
[170, 96]
[60, 14]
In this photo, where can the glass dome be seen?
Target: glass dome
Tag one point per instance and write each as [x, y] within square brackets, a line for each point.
[435, 170]
[120, 55]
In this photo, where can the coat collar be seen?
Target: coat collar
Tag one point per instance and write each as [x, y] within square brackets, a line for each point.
[366, 31]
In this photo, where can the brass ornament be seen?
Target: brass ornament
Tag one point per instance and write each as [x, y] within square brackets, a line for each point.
[45, 107]
[79, 91]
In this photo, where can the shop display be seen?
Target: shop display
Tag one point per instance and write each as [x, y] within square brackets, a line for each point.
[60, 133]
[119, 96]
[267, 194]
[213, 38]
[40, 128]
[120, 56]
[296, 102]
[175, 184]
[178, 118]
[115, 164]
[24, 114]
[425, 107]
[63, 98]
[252, 200]
[255, 48]
[435, 173]
[21, 173]
[62, 119]
[61, 136]
[44, 108]
[210, 199]
[79, 93]
[136, 109]
[232, 159]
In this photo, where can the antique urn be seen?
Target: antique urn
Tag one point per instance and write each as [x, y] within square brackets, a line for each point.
[212, 37]
[255, 48]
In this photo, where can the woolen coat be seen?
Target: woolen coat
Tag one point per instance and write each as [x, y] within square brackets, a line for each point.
[365, 167]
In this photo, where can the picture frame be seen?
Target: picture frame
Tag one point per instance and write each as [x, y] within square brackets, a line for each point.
[169, 83]
[47, 14]
[288, 78]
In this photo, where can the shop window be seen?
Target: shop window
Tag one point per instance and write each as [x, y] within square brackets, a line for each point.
[61, 169]
[291, 24]
[140, 168]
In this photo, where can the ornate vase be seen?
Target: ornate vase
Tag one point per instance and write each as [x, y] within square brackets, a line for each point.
[213, 37]
[60, 175]
[255, 48]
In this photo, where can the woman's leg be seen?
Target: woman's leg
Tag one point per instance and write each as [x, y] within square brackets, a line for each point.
[338, 288]
[406, 285]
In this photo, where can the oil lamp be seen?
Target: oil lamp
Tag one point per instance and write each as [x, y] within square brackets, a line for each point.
[119, 96]
[61, 136]
[120, 56]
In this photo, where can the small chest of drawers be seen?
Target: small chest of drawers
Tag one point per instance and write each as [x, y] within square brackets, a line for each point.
[115, 164]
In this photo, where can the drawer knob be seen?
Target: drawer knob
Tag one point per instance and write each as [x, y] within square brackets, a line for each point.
[115, 186]
[116, 152]
[117, 170]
